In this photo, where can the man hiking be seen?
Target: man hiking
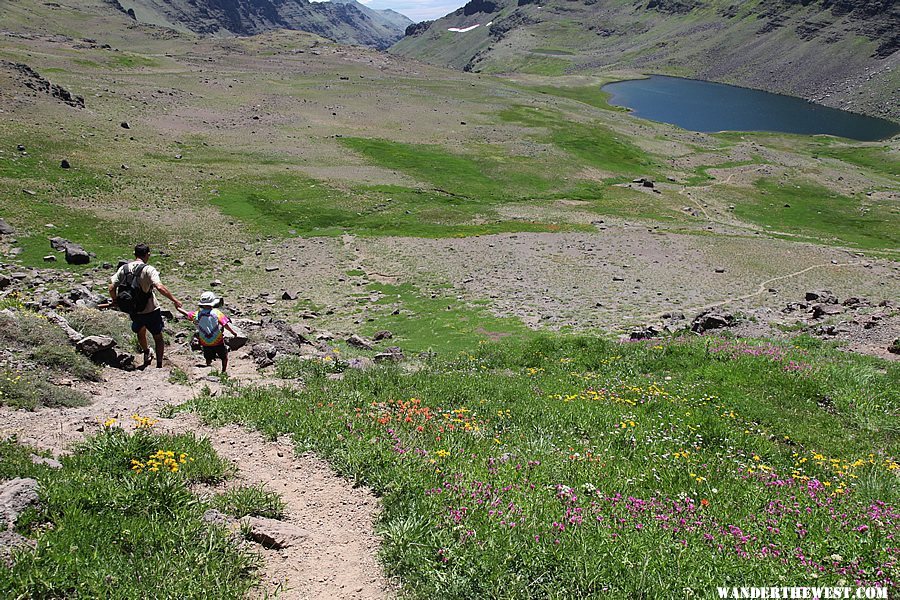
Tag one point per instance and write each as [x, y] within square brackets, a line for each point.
[132, 291]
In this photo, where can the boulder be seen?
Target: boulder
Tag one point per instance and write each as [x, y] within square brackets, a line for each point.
[85, 296]
[358, 342]
[93, 344]
[894, 348]
[76, 255]
[5, 281]
[54, 299]
[115, 358]
[16, 495]
[821, 296]
[392, 354]
[289, 295]
[854, 302]
[644, 333]
[283, 337]
[711, 320]
[826, 310]
[64, 164]
[236, 342]
[382, 335]
[263, 354]
[6, 228]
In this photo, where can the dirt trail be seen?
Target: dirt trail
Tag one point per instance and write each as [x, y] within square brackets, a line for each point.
[761, 288]
[333, 556]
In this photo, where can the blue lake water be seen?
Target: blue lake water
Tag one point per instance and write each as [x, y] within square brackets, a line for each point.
[710, 107]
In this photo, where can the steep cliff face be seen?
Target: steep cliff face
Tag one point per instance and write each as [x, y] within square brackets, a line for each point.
[843, 53]
[345, 21]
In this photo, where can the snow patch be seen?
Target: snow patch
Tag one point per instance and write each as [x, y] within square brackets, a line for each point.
[463, 29]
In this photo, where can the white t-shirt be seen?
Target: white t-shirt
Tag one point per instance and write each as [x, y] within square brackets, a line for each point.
[149, 279]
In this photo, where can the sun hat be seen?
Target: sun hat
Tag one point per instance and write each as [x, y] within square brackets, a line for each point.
[208, 299]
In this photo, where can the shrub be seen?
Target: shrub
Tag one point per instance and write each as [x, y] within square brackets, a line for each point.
[249, 500]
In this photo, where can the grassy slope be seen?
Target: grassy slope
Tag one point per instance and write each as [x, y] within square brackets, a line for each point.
[104, 529]
[561, 467]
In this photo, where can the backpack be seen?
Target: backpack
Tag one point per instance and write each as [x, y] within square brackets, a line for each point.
[208, 328]
[130, 297]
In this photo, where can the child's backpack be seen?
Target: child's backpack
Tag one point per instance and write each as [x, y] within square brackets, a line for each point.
[130, 296]
[208, 328]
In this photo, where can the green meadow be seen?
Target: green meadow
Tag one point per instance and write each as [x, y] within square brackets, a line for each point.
[561, 467]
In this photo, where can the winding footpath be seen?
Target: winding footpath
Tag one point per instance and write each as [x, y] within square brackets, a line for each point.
[333, 547]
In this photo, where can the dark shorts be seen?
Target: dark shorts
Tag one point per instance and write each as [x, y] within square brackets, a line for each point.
[213, 352]
[153, 321]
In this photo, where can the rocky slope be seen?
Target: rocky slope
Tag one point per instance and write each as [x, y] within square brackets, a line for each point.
[344, 21]
[843, 53]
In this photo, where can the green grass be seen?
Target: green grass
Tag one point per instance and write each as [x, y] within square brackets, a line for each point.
[57, 199]
[560, 467]
[591, 95]
[821, 214]
[879, 160]
[593, 144]
[531, 64]
[105, 530]
[249, 500]
[441, 324]
[482, 174]
[552, 51]
[461, 202]
[133, 61]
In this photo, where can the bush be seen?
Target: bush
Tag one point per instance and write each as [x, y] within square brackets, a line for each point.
[33, 390]
[249, 500]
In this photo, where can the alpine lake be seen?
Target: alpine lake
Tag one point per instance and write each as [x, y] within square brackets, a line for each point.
[712, 107]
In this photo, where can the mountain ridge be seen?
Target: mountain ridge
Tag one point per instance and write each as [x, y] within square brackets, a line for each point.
[344, 21]
[842, 53]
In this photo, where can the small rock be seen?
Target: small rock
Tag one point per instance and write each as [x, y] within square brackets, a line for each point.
[382, 335]
[360, 362]
[288, 295]
[49, 258]
[125, 125]
[6, 228]
[16, 495]
[271, 268]
[49, 462]
[64, 164]
[273, 534]
[215, 283]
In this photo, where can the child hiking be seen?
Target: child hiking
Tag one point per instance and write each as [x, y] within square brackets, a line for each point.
[211, 324]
